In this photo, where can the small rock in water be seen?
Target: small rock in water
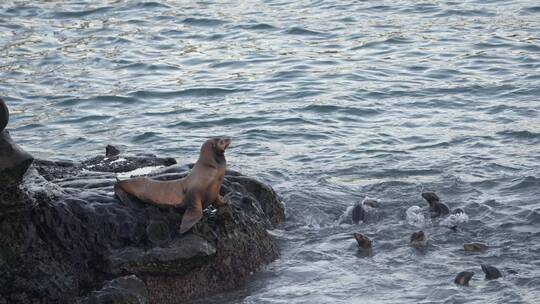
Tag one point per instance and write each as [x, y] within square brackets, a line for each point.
[475, 247]
[364, 243]
[463, 278]
[358, 213]
[418, 239]
[491, 272]
[111, 150]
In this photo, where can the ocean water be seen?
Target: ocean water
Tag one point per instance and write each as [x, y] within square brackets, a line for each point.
[329, 102]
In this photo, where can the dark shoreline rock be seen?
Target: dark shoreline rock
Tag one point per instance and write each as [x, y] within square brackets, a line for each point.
[68, 236]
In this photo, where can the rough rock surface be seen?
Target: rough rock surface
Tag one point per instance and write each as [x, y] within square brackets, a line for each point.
[65, 238]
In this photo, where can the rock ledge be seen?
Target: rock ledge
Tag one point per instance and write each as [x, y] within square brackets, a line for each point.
[65, 238]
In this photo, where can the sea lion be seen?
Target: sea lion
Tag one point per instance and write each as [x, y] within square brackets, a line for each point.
[358, 213]
[363, 241]
[364, 244]
[371, 202]
[436, 206]
[4, 115]
[360, 210]
[418, 239]
[458, 212]
[193, 192]
[475, 247]
[463, 278]
[491, 272]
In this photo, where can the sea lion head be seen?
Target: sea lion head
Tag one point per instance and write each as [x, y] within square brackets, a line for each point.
[418, 237]
[363, 241]
[463, 278]
[220, 144]
[214, 148]
[431, 198]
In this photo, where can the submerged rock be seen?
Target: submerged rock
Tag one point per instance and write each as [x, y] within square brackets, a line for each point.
[69, 235]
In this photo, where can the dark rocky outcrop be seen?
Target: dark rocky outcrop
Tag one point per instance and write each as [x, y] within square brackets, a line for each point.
[125, 290]
[4, 115]
[14, 161]
[65, 238]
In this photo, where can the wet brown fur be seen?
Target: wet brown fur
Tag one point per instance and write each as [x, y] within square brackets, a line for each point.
[193, 193]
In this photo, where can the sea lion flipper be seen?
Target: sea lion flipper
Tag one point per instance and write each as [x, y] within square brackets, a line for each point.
[192, 216]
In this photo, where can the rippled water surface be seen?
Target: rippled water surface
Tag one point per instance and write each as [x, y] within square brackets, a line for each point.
[330, 102]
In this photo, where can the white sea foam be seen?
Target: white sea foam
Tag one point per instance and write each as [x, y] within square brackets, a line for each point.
[416, 217]
[455, 219]
[138, 171]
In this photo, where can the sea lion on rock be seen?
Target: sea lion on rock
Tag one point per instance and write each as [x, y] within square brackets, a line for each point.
[491, 272]
[193, 192]
[436, 206]
[475, 247]
[463, 278]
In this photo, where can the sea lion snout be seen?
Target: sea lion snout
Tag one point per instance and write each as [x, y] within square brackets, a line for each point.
[223, 143]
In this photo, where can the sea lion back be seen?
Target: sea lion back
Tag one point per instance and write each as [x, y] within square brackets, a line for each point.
[154, 191]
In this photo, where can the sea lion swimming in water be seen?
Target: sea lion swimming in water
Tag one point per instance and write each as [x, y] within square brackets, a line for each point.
[193, 192]
[359, 211]
[491, 272]
[418, 239]
[463, 278]
[364, 244]
[436, 206]
[475, 247]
